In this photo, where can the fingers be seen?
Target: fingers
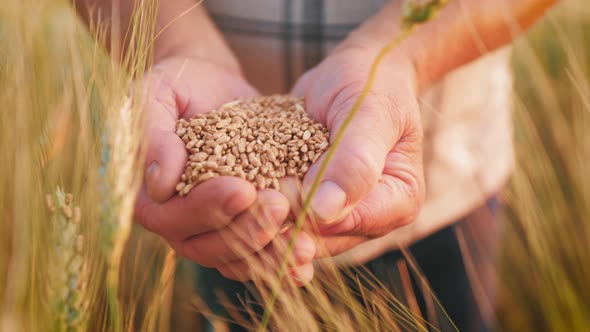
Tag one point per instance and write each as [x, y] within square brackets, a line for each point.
[176, 88]
[264, 265]
[360, 158]
[391, 204]
[250, 232]
[209, 206]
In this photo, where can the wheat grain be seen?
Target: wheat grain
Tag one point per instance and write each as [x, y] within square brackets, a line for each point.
[259, 139]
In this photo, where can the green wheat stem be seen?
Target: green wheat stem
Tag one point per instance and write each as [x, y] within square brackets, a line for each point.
[413, 16]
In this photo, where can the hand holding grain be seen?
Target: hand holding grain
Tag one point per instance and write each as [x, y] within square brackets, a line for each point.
[217, 224]
[374, 183]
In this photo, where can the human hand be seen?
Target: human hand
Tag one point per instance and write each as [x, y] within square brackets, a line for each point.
[222, 223]
[375, 182]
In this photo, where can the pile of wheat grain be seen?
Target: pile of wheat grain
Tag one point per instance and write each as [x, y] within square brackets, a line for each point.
[259, 139]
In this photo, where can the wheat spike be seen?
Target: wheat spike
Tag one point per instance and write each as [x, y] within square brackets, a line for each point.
[66, 282]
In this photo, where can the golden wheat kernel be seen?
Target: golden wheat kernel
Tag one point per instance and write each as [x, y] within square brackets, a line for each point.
[303, 149]
[187, 188]
[242, 146]
[304, 168]
[200, 156]
[291, 171]
[275, 184]
[244, 162]
[306, 135]
[224, 170]
[223, 139]
[212, 157]
[180, 186]
[180, 131]
[260, 182]
[218, 134]
[285, 139]
[241, 174]
[183, 177]
[268, 182]
[211, 143]
[231, 160]
[217, 150]
[207, 149]
[254, 160]
[235, 151]
[207, 176]
[194, 173]
[190, 144]
[67, 211]
[271, 155]
[209, 165]
[252, 173]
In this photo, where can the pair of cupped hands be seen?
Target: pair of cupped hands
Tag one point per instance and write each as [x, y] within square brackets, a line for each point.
[373, 185]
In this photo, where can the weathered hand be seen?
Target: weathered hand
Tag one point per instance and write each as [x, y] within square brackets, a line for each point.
[375, 181]
[223, 223]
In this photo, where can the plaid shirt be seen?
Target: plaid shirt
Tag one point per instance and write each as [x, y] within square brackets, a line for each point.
[468, 146]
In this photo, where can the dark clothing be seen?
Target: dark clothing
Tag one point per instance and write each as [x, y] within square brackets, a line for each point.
[440, 259]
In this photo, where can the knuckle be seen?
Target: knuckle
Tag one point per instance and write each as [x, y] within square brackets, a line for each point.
[356, 222]
[361, 165]
[364, 223]
[416, 195]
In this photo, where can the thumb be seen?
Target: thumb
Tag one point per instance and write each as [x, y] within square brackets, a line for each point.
[166, 154]
[359, 160]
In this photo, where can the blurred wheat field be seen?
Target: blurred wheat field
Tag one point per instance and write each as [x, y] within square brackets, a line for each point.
[66, 122]
[544, 271]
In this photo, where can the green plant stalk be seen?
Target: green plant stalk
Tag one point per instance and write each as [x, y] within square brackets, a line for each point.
[413, 16]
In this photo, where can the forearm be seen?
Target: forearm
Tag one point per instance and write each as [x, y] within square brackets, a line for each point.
[182, 29]
[463, 31]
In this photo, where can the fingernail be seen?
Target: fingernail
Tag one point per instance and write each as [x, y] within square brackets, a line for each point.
[302, 274]
[328, 202]
[304, 249]
[151, 173]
